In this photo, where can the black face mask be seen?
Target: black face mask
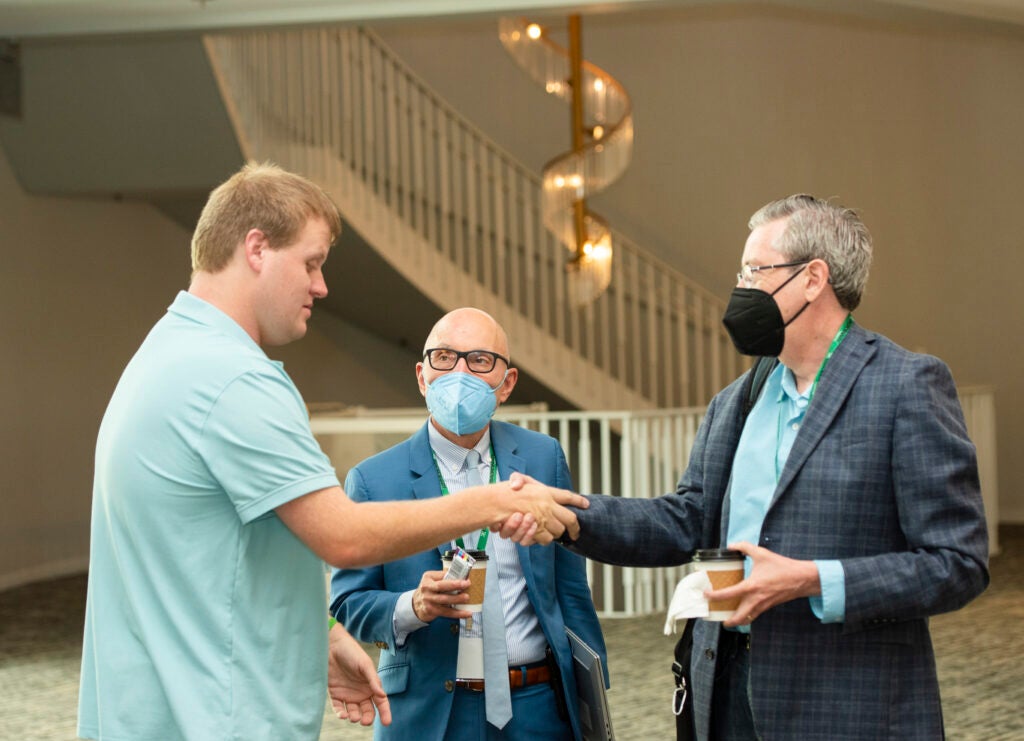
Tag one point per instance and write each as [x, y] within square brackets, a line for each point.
[754, 321]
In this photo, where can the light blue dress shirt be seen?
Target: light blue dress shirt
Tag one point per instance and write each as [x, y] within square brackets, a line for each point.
[767, 438]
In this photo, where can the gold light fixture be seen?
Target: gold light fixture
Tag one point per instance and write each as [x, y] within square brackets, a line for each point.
[602, 146]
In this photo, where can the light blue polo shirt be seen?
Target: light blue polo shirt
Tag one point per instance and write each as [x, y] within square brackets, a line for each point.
[206, 617]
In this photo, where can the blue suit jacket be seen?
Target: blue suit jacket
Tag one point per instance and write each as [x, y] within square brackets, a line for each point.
[363, 600]
[882, 477]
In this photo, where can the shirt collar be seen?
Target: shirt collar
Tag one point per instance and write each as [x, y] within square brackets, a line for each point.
[203, 312]
[452, 457]
[787, 388]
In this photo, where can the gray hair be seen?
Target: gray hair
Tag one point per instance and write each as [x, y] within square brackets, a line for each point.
[818, 229]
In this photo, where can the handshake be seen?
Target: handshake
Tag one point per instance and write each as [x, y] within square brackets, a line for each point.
[537, 513]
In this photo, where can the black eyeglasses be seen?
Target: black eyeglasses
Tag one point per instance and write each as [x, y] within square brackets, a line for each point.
[478, 361]
[746, 274]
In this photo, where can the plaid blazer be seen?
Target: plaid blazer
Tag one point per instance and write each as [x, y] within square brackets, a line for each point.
[882, 477]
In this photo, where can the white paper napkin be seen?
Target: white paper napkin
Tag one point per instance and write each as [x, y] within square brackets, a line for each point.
[688, 601]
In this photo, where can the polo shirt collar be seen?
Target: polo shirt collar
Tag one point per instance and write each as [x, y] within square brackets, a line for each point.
[202, 312]
[787, 388]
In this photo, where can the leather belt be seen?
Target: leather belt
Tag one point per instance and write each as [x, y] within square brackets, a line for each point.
[518, 677]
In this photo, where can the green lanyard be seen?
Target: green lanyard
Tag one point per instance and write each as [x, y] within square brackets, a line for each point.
[481, 543]
[831, 351]
[843, 330]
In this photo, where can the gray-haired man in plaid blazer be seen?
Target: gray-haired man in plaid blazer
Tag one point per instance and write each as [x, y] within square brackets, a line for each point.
[852, 489]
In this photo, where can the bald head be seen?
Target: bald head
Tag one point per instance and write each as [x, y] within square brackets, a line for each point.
[465, 330]
[471, 329]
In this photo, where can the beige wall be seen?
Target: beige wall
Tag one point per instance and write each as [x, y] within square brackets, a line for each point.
[920, 128]
[82, 282]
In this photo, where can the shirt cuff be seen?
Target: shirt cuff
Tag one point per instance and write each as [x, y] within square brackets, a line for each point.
[404, 620]
[830, 606]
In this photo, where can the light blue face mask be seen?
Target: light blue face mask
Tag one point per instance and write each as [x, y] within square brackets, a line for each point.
[461, 402]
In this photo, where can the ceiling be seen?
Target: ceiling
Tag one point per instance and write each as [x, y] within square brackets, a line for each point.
[20, 19]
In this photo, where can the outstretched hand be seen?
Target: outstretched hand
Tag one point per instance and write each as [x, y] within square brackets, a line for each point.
[773, 579]
[543, 514]
[352, 682]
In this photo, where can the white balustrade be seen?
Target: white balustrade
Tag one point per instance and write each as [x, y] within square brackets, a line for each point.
[637, 454]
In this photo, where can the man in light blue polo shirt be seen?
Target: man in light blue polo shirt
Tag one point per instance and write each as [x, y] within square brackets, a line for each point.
[214, 508]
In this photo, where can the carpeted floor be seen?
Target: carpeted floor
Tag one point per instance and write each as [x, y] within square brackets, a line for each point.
[979, 649]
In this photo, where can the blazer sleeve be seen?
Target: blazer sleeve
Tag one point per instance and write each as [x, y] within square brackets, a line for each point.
[359, 600]
[663, 531]
[938, 504]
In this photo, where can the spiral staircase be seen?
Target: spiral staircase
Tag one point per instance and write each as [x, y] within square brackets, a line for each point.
[462, 221]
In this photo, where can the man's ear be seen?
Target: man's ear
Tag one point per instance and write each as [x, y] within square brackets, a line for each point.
[420, 380]
[255, 246]
[506, 387]
[817, 278]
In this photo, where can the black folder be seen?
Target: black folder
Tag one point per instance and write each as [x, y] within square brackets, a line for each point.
[595, 720]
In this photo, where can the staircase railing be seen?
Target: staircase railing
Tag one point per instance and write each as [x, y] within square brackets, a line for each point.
[461, 218]
[630, 454]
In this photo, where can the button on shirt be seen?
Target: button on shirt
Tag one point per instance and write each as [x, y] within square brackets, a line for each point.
[765, 444]
[524, 636]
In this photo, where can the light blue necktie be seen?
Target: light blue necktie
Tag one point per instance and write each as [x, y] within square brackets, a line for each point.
[497, 695]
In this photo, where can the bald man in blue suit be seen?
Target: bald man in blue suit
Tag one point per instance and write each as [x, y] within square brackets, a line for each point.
[405, 607]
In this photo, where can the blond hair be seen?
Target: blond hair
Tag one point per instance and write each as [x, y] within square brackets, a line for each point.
[259, 196]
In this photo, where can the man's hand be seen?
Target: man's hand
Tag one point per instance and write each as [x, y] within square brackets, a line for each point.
[519, 528]
[544, 512]
[436, 597]
[352, 681]
[518, 480]
[773, 579]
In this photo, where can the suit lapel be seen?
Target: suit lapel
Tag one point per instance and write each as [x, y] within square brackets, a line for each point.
[834, 387]
[423, 472]
[505, 448]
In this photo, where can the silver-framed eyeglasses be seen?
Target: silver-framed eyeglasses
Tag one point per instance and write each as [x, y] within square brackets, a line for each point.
[746, 274]
[478, 361]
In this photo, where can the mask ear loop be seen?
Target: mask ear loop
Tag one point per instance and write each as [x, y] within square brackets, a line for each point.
[501, 383]
[784, 284]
